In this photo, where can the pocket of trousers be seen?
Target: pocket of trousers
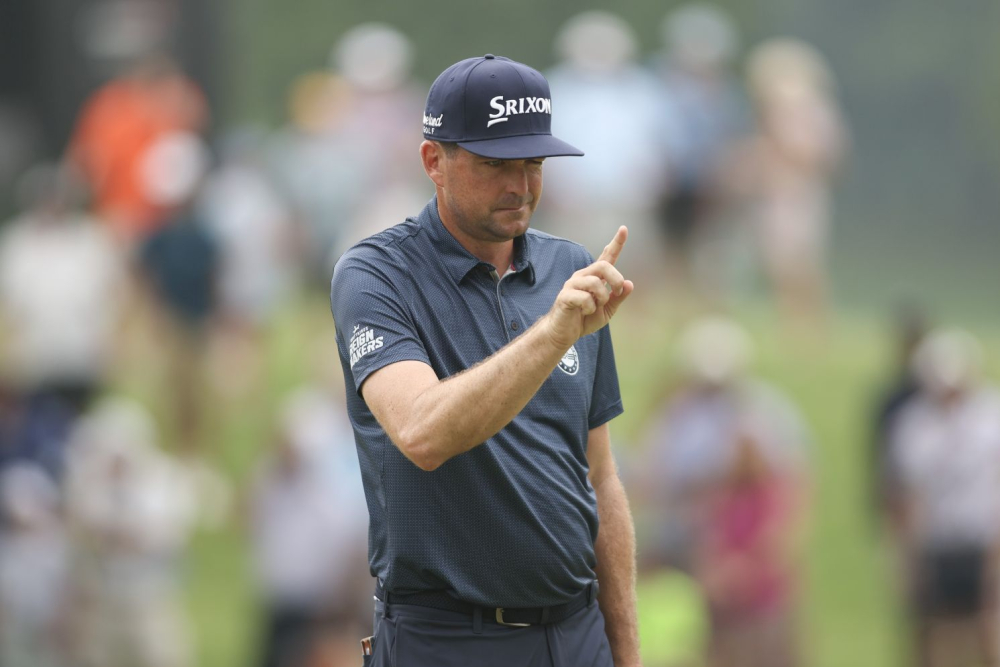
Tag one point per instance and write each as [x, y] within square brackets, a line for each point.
[383, 653]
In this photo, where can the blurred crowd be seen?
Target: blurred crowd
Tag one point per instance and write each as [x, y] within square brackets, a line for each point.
[723, 491]
[159, 236]
[935, 454]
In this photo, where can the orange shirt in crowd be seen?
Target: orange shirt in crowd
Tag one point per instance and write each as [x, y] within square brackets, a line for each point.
[116, 127]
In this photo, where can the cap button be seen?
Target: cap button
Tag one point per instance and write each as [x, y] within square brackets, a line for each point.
[489, 56]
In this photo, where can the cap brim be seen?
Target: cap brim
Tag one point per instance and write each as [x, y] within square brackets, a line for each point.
[523, 147]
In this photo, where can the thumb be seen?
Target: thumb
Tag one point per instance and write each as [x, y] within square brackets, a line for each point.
[617, 299]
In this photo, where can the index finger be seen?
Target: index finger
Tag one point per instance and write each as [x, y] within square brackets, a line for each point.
[613, 249]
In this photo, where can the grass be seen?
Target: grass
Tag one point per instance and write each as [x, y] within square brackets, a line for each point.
[850, 615]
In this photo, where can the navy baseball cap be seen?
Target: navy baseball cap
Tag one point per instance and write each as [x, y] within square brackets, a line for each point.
[494, 107]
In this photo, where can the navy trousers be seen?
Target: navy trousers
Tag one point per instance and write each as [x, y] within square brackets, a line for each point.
[412, 636]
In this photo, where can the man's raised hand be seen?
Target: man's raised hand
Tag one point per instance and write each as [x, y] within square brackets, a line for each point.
[591, 296]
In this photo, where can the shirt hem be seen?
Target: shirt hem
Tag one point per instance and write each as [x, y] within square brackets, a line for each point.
[387, 361]
[606, 415]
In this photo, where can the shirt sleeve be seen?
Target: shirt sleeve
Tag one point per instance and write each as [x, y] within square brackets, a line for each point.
[374, 325]
[606, 403]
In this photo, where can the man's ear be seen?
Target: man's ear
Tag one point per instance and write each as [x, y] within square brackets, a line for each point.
[432, 156]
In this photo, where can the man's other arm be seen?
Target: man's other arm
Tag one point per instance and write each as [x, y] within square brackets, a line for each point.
[615, 550]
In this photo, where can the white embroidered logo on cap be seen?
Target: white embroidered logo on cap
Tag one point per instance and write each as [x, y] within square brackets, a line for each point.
[431, 123]
[506, 108]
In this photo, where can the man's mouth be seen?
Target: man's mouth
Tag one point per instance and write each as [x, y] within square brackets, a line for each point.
[517, 206]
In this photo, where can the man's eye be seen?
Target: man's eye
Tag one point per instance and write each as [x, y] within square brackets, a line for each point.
[536, 163]
[494, 163]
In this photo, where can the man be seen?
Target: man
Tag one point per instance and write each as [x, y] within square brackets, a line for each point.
[62, 280]
[480, 380]
[945, 452]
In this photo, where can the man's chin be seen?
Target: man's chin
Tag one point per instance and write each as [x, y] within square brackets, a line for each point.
[512, 222]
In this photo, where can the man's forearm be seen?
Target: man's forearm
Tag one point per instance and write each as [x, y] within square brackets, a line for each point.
[453, 416]
[615, 549]
[432, 420]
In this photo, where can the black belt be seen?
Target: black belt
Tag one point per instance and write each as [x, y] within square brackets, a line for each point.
[519, 617]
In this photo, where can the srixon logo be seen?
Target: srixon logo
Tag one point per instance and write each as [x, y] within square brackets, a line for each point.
[504, 109]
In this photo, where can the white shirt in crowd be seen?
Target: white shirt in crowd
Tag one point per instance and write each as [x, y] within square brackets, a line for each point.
[59, 299]
[253, 227]
[700, 430]
[948, 460]
[310, 521]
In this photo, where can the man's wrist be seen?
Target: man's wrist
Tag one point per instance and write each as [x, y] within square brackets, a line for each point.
[551, 335]
[625, 650]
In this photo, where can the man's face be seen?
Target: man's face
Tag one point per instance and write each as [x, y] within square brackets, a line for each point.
[490, 200]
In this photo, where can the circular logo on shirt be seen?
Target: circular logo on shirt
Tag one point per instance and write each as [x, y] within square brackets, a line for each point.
[570, 363]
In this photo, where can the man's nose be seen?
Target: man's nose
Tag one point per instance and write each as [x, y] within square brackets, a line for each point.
[517, 178]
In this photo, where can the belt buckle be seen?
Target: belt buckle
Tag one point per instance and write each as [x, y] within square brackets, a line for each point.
[512, 625]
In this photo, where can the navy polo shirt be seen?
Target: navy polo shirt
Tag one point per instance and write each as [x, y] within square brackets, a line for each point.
[512, 522]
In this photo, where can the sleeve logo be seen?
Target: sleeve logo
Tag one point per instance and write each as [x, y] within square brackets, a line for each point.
[570, 363]
[363, 341]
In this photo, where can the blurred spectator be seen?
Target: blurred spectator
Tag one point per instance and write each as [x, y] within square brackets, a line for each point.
[748, 560]
[725, 488]
[787, 168]
[946, 448]
[692, 441]
[131, 511]
[34, 430]
[320, 169]
[385, 111]
[309, 525]
[180, 262]
[704, 115]
[343, 161]
[386, 107]
[256, 245]
[34, 572]
[61, 286]
[118, 124]
[611, 110]
[910, 328]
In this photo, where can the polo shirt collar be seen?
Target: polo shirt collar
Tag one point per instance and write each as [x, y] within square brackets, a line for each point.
[458, 261]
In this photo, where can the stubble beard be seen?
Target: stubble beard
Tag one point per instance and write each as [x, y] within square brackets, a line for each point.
[487, 227]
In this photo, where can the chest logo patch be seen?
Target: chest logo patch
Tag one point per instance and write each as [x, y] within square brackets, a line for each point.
[363, 341]
[570, 363]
